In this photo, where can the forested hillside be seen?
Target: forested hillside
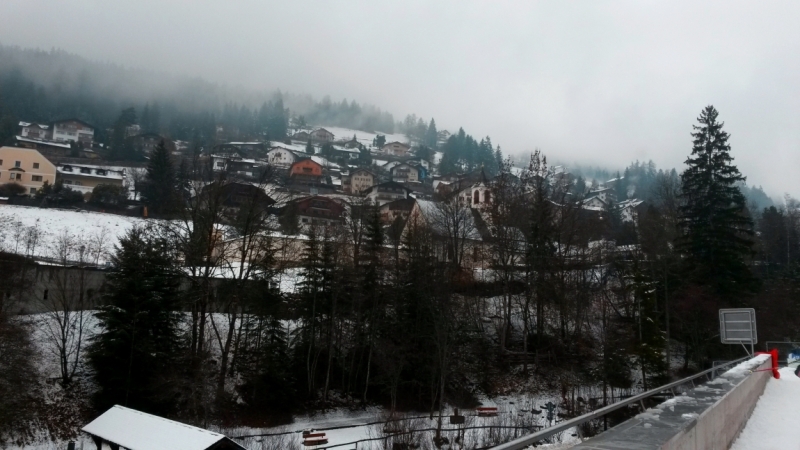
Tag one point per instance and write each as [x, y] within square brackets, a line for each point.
[43, 86]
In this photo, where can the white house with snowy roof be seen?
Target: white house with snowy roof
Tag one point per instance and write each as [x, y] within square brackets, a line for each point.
[281, 156]
[629, 210]
[122, 427]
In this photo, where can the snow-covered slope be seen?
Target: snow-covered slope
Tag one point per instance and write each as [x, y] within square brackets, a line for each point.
[36, 231]
[364, 137]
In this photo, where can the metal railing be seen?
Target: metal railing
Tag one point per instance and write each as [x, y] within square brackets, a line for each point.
[526, 441]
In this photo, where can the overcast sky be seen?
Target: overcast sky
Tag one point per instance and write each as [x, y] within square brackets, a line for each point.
[594, 82]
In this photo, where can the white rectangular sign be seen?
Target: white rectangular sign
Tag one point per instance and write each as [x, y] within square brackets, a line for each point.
[738, 326]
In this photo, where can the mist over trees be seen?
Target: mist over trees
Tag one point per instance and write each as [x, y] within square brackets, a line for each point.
[505, 269]
[42, 86]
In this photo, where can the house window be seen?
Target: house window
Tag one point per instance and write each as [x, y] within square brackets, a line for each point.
[101, 172]
[67, 169]
[36, 178]
[486, 197]
[15, 176]
[1, 162]
[17, 163]
[33, 190]
[35, 165]
[85, 170]
[477, 197]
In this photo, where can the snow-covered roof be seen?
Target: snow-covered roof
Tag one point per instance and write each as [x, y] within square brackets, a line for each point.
[631, 203]
[343, 149]
[436, 183]
[324, 162]
[40, 141]
[27, 124]
[94, 171]
[136, 430]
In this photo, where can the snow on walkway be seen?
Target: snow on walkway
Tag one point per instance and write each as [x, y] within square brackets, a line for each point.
[774, 423]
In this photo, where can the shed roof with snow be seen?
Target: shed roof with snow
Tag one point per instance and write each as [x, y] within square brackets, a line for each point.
[135, 430]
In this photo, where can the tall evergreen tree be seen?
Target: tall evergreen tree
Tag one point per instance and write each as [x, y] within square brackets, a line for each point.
[159, 191]
[717, 229]
[431, 135]
[135, 354]
[121, 146]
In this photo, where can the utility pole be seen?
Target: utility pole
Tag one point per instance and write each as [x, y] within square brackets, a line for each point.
[666, 309]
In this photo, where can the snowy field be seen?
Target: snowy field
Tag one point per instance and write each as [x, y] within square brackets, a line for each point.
[37, 231]
[774, 423]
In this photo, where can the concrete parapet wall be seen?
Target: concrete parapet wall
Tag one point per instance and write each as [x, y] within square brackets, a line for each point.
[708, 417]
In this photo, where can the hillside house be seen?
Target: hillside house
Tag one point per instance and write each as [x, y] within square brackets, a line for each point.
[254, 148]
[26, 167]
[603, 193]
[387, 166]
[245, 167]
[219, 162]
[476, 194]
[594, 203]
[50, 149]
[281, 157]
[468, 247]
[321, 135]
[353, 143]
[74, 130]
[306, 171]
[235, 195]
[358, 180]
[317, 210]
[381, 194]
[35, 130]
[396, 149]
[346, 153]
[145, 143]
[228, 149]
[397, 209]
[301, 136]
[629, 210]
[84, 178]
[404, 173]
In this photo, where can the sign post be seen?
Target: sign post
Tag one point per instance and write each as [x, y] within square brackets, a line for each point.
[738, 326]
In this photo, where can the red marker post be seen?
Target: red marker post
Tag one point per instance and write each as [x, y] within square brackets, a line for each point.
[774, 354]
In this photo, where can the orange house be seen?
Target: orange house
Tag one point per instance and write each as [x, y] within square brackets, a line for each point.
[305, 170]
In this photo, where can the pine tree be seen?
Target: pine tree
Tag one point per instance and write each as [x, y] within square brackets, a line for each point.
[136, 351]
[431, 135]
[159, 191]
[309, 147]
[717, 230]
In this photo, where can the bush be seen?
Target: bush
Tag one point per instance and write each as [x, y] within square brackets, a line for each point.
[58, 195]
[11, 190]
[109, 195]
